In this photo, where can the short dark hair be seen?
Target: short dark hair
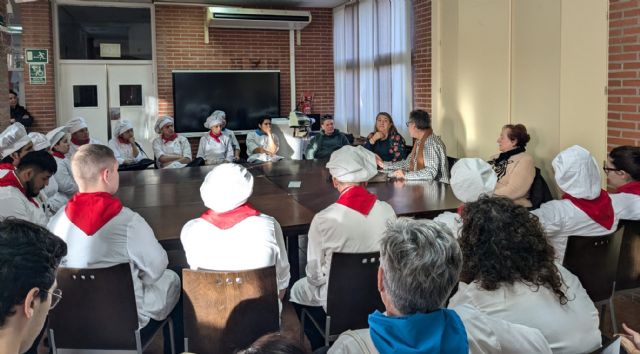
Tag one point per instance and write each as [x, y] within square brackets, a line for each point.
[262, 119]
[503, 243]
[29, 257]
[39, 160]
[627, 158]
[421, 119]
[326, 118]
[275, 343]
[13, 93]
[518, 132]
[7, 159]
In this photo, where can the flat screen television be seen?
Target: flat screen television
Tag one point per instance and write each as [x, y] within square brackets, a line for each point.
[244, 96]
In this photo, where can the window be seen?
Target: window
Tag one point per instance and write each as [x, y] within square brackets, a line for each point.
[105, 33]
[130, 95]
[85, 96]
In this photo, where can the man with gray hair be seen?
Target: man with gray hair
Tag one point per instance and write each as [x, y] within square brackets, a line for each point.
[420, 262]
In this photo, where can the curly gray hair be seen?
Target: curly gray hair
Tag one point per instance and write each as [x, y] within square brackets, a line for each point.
[421, 261]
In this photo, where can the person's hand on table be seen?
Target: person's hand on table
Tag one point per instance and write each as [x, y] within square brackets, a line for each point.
[630, 340]
[398, 174]
[379, 161]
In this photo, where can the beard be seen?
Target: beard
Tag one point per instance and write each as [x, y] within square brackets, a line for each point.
[30, 189]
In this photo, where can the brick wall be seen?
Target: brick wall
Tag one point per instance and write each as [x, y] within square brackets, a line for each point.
[38, 33]
[421, 55]
[180, 46]
[4, 79]
[624, 73]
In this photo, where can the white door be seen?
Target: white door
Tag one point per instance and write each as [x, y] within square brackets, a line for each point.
[93, 91]
[83, 93]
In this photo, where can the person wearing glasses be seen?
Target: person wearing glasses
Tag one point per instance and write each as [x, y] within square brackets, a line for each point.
[622, 169]
[262, 144]
[29, 257]
[585, 208]
[428, 158]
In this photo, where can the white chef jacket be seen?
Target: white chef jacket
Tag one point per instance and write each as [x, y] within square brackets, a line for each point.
[73, 147]
[214, 152]
[626, 205]
[232, 137]
[66, 184]
[255, 242]
[47, 195]
[452, 220]
[127, 238]
[15, 204]
[255, 141]
[569, 328]
[561, 219]
[178, 146]
[338, 228]
[485, 334]
[125, 152]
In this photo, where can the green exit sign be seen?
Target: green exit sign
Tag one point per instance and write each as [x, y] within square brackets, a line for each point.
[37, 55]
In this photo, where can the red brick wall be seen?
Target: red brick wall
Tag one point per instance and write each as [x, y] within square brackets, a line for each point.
[180, 46]
[38, 33]
[624, 73]
[5, 40]
[421, 55]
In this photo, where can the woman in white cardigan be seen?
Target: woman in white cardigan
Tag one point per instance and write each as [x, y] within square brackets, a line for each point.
[509, 273]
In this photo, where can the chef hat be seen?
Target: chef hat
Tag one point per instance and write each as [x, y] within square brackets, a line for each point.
[55, 135]
[40, 142]
[161, 122]
[216, 118]
[472, 177]
[13, 139]
[352, 164]
[226, 187]
[577, 173]
[122, 126]
[76, 124]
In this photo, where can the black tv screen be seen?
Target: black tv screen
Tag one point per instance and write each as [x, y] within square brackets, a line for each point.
[244, 96]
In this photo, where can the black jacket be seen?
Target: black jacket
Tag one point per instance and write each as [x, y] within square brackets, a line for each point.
[20, 114]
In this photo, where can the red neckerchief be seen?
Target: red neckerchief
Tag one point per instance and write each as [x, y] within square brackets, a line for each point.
[11, 180]
[7, 166]
[229, 218]
[171, 138]
[631, 188]
[216, 137]
[80, 142]
[58, 154]
[460, 209]
[123, 141]
[599, 210]
[358, 199]
[91, 211]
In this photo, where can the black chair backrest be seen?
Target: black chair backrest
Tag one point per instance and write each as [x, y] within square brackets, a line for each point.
[352, 292]
[629, 263]
[98, 309]
[451, 161]
[594, 260]
[227, 311]
[539, 192]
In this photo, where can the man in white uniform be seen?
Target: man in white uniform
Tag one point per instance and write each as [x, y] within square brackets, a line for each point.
[19, 188]
[79, 131]
[232, 235]
[100, 233]
[354, 223]
[470, 178]
[67, 187]
[170, 149]
[47, 194]
[215, 147]
[419, 265]
[124, 144]
[14, 144]
[585, 209]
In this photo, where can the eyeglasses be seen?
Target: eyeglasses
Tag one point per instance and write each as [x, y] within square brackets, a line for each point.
[410, 122]
[609, 169]
[56, 296]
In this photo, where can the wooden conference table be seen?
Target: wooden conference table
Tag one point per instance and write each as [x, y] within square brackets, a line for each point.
[168, 198]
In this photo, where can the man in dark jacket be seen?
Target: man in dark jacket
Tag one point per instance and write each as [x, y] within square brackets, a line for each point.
[329, 140]
[19, 113]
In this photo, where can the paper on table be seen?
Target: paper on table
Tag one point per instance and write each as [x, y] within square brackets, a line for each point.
[295, 184]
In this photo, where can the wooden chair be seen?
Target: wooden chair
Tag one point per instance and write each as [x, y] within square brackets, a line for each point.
[99, 312]
[594, 260]
[352, 294]
[628, 275]
[226, 311]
